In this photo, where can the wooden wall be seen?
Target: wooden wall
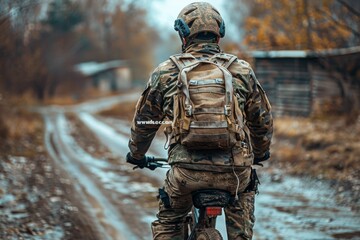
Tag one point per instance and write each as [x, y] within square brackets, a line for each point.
[298, 85]
[287, 83]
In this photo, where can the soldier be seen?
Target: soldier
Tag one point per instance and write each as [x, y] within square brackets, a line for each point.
[200, 27]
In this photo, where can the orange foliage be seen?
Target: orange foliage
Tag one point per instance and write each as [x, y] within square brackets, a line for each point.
[299, 24]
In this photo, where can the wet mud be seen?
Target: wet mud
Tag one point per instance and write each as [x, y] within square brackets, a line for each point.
[122, 202]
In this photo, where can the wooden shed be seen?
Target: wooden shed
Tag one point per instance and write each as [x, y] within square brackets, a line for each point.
[107, 76]
[299, 81]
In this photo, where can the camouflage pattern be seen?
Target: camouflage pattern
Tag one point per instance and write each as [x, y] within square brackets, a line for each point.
[201, 17]
[195, 169]
[179, 184]
[240, 218]
[156, 104]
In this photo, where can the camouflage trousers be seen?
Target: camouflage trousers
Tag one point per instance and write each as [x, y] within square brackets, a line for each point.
[179, 184]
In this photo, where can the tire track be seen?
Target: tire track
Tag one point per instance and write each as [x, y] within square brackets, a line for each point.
[298, 208]
[62, 149]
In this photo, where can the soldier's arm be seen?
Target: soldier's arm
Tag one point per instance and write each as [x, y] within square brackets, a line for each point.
[148, 111]
[259, 118]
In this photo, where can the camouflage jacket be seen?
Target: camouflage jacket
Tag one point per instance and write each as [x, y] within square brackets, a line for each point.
[156, 104]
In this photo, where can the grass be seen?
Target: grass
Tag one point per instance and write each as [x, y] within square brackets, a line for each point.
[123, 111]
[327, 149]
[20, 130]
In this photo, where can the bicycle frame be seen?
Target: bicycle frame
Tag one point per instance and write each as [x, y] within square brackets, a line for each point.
[208, 205]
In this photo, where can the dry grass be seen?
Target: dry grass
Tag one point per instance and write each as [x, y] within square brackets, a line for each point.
[328, 149]
[124, 111]
[70, 100]
[20, 131]
[86, 95]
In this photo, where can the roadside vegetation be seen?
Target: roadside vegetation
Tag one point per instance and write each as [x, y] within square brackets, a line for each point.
[36, 197]
[320, 147]
[123, 111]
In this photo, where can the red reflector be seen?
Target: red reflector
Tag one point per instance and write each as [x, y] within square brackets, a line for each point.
[213, 211]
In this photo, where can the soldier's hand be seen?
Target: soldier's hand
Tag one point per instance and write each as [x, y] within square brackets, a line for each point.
[141, 163]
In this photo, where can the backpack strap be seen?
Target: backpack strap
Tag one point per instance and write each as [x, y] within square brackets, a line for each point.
[225, 59]
[182, 60]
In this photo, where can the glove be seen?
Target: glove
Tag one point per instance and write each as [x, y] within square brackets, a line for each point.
[258, 160]
[141, 163]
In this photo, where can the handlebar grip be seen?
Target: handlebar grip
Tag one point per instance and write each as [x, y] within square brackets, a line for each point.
[152, 163]
[150, 159]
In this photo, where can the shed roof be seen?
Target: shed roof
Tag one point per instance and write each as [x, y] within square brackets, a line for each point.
[92, 68]
[304, 53]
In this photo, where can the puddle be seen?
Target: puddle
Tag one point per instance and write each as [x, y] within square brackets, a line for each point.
[6, 199]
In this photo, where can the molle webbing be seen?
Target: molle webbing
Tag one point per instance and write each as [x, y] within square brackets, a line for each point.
[204, 113]
[209, 89]
[198, 124]
[206, 81]
[210, 110]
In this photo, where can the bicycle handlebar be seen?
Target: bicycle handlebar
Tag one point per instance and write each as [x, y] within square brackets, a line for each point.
[152, 163]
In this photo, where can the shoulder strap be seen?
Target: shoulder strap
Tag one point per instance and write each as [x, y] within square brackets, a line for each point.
[226, 59]
[182, 60]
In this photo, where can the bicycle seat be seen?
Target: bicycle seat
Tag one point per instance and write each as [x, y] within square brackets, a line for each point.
[211, 198]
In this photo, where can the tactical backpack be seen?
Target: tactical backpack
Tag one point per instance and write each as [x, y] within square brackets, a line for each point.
[206, 111]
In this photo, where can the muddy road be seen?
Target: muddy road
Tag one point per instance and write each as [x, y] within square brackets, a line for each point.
[121, 202]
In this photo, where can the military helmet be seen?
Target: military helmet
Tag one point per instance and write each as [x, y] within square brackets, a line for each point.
[199, 17]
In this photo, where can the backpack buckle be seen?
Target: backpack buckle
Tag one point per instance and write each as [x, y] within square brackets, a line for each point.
[219, 80]
[227, 110]
[188, 110]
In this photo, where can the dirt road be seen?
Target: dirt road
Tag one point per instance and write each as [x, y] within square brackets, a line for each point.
[121, 202]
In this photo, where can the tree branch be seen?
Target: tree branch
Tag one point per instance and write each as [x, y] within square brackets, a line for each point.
[348, 7]
[340, 24]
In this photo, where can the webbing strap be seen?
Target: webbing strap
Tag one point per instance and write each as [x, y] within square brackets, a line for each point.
[240, 119]
[175, 122]
[203, 124]
[182, 60]
[194, 82]
[231, 60]
[227, 59]
[210, 110]
[215, 90]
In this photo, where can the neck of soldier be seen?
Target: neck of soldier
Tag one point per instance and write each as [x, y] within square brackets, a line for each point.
[199, 47]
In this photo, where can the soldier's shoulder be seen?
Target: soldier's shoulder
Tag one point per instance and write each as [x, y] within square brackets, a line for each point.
[163, 71]
[243, 63]
[241, 66]
[166, 66]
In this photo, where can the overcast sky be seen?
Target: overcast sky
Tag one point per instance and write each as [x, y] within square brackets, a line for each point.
[166, 11]
[163, 13]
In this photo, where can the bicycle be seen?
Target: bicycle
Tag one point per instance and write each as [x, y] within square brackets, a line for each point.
[208, 204]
